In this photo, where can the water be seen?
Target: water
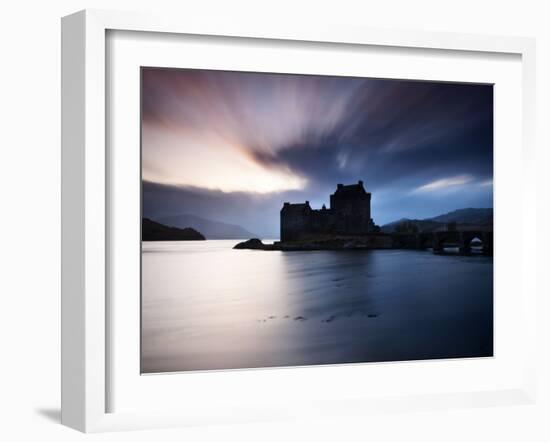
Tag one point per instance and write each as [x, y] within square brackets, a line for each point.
[207, 306]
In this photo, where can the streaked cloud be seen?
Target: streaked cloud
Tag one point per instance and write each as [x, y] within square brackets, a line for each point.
[445, 183]
[211, 162]
[486, 183]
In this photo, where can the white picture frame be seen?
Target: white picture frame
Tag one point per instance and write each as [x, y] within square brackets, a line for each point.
[85, 206]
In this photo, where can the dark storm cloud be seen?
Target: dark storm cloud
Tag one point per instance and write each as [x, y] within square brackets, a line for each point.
[397, 131]
[422, 148]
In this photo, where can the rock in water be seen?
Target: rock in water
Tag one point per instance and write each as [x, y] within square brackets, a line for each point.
[251, 244]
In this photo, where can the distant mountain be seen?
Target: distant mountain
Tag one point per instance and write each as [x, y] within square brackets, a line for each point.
[462, 217]
[153, 231]
[468, 216]
[423, 225]
[210, 229]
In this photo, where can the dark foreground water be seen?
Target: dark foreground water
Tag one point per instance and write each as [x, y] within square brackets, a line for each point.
[206, 306]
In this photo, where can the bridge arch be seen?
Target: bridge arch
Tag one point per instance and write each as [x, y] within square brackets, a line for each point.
[426, 241]
[467, 239]
[445, 238]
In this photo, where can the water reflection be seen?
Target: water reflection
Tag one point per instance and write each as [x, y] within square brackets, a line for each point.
[206, 306]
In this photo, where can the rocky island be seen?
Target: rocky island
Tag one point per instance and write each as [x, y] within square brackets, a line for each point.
[347, 225]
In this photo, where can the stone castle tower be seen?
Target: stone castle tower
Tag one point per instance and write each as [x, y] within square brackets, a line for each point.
[349, 214]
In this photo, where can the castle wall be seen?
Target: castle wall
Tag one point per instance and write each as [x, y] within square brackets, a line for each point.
[349, 214]
[354, 213]
[323, 221]
[294, 223]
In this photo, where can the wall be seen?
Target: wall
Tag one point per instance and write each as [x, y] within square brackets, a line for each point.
[29, 221]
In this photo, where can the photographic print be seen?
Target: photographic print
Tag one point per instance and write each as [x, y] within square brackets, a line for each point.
[297, 220]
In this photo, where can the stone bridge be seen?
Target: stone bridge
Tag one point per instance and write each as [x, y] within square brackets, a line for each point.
[438, 240]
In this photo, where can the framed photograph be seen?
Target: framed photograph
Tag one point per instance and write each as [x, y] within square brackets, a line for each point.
[263, 222]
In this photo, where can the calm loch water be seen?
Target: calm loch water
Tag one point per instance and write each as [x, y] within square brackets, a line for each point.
[206, 306]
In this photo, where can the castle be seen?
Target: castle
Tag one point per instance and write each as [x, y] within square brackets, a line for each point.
[349, 214]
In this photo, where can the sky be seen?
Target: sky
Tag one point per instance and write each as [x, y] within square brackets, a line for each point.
[233, 146]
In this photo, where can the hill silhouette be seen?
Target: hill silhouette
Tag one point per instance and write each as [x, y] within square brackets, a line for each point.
[211, 229]
[153, 231]
[462, 217]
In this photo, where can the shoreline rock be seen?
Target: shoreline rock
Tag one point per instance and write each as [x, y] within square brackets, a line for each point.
[252, 244]
[366, 242]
